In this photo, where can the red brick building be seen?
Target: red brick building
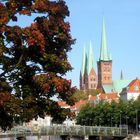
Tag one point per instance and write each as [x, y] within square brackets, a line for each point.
[88, 76]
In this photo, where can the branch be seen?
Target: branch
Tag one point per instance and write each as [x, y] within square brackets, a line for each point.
[20, 59]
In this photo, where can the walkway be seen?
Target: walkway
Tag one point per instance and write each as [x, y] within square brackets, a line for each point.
[62, 130]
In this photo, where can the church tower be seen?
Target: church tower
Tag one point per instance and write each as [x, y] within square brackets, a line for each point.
[105, 62]
[83, 70]
[88, 77]
[91, 77]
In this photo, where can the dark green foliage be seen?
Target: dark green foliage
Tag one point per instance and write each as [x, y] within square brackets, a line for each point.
[111, 114]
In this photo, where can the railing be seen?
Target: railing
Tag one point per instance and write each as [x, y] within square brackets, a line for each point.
[71, 131]
[84, 130]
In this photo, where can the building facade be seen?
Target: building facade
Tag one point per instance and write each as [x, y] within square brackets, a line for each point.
[132, 91]
[88, 77]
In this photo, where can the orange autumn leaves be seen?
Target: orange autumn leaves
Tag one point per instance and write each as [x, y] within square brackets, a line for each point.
[33, 58]
[4, 97]
[4, 15]
[35, 37]
[59, 85]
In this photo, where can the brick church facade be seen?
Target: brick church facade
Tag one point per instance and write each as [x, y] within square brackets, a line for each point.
[88, 77]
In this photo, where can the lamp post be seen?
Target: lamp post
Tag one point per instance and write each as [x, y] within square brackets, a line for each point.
[120, 119]
[120, 123]
[83, 121]
[126, 120]
[136, 121]
[90, 122]
[111, 121]
[87, 122]
[99, 121]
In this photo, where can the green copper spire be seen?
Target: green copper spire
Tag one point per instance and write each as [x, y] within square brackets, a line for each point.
[83, 62]
[90, 59]
[104, 55]
[121, 76]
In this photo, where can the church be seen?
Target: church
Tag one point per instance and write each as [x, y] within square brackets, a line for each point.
[89, 79]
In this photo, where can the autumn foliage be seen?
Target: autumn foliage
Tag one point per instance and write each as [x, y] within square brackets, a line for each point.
[33, 61]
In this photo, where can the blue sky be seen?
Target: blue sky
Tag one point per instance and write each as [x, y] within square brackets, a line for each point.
[122, 19]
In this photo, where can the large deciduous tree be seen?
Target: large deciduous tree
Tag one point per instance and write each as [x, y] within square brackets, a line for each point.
[33, 60]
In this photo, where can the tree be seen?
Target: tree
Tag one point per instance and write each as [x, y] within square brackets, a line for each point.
[33, 60]
[93, 92]
[80, 95]
[110, 114]
[83, 95]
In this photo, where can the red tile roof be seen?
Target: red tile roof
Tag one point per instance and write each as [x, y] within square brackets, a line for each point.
[134, 86]
[112, 96]
[62, 104]
[91, 98]
[79, 104]
[103, 96]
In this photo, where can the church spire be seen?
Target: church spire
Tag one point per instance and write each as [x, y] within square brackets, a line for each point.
[104, 55]
[121, 76]
[83, 67]
[105, 63]
[90, 59]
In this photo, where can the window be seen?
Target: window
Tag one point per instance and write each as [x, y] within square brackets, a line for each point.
[93, 79]
[93, 86]
[105, 68]
[136, 88]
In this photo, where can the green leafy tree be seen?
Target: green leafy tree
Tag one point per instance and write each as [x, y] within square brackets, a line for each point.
[111, 114]
[93, 92]
[83, 95]
[33, 60]
[80, 95]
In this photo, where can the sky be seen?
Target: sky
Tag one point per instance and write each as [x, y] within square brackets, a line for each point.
[122, 20]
